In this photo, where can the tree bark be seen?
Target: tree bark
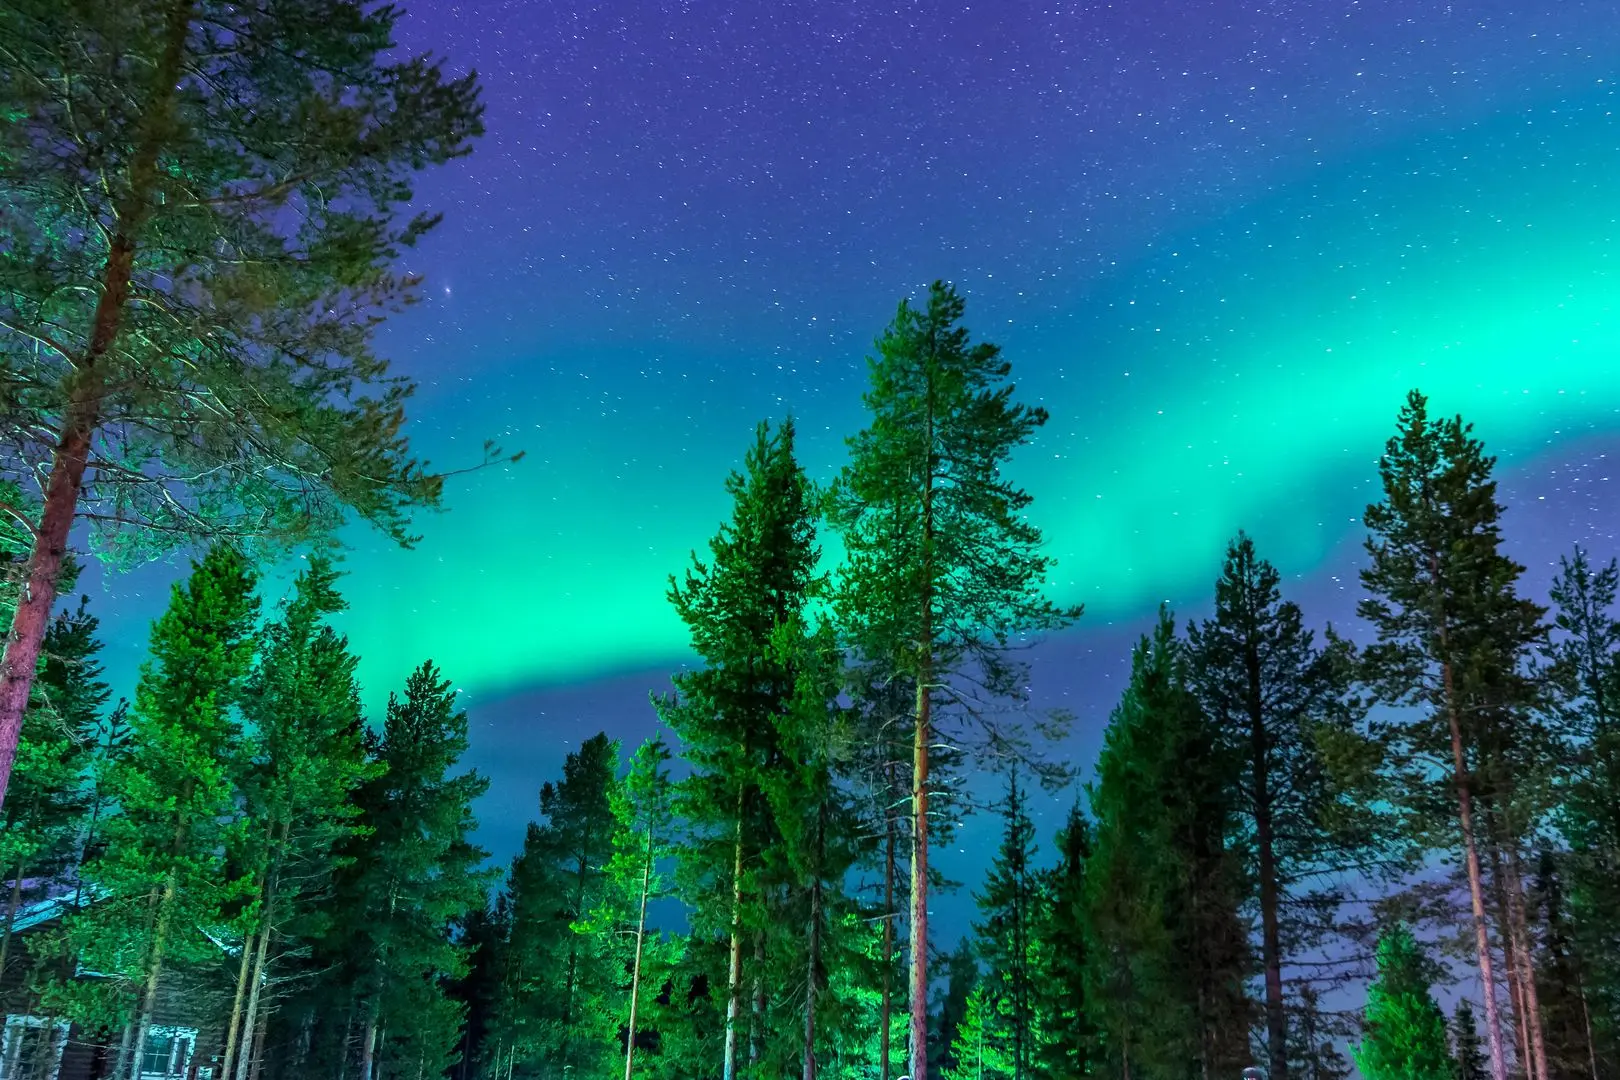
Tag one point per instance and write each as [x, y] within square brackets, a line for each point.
[250, 1051]
[368, 1047]
[82, 413]
[889, 916]
[154, 974]
[1476, 888]
[1265, 849]
[919, 880]
[1520, 929]
[734, 968]
[635, 970]
[233, 1030]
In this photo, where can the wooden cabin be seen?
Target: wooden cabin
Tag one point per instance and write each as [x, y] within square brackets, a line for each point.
[183, 1043]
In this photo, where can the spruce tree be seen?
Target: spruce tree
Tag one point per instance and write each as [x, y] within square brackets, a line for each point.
[44, 825]
[1009, 912]
[1467, 1055]
[1068, 1038]
[412, 877]
[760, 576]
[1405, 1030]
[1453, 638]
[161, 878]
[1267, 687]
[961, 975]
[1167, 957]
[942, 567]
[307, 759]
[979, 1051]
[203, 201]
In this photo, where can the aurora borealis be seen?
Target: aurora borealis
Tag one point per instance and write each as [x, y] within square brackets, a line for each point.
[1218, 242]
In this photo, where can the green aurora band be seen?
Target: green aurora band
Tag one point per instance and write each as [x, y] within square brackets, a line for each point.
[1245, 373]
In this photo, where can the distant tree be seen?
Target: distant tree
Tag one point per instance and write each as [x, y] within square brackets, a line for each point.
[412, 879]
[1010, 910]
[1406, 1032]
[942, 567]
[1585, 670]
[1454, 638]
[558, 1012]
[1142, 1018]
[1467, 1054]
[979, 1051]
[961, 975]
[727, 713]
[1068, 1038]
[1268, 688]
[202, 202]
[1565, 1010]
[307, 759]
[161, 877]
[1314, 1054]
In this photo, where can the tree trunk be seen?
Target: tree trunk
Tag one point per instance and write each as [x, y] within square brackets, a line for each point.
[1519, 926]
[1264, 842]
[734, 969]
[154, 973]
[1510, 959]
[368, 1046]
[82, 413]
[233, 1030]
[919, 879]
[1476, 886]
[635, 969]
[889, 916]
[813, 974]
[260, 1032]
[251, 1050]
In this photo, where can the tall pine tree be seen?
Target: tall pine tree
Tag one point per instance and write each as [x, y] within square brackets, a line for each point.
[942, 567]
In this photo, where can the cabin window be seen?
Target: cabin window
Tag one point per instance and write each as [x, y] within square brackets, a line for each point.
[32, 1048]
[167, 1052]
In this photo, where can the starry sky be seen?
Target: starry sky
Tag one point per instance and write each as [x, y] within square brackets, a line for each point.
[1218, 240]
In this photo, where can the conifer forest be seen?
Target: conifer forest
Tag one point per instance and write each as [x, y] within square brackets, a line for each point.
[1308, 848]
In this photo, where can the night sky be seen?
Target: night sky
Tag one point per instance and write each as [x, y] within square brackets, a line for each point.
[1218, 241]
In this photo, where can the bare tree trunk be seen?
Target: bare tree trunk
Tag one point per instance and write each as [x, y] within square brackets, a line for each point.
[368, 1047]
[734, 969]
[889, 916]
[82, 413]
[1520, 928]
[260, 1032]
[1510, 959]
[1476, 887]
[921, 736]
[233, 1031]
[251, 1052]
[154, 973]
[635, 970]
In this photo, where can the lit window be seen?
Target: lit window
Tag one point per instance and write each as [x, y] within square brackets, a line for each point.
[167, 1052]
[32, 1048]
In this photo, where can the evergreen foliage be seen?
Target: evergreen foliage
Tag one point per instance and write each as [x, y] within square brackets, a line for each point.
[1467, 1053]
[1405, 1030]
[1010, 909]
[202, 202]
[1069, 1036]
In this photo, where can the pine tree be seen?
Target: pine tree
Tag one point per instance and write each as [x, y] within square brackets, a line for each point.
[1565, 1011]
[1467, 1055]
[202, 203]
[1406, 1032]
[1453, 637]
[1068, 1037]
[1313, 1053]
[161, 876]
[412, 878]
[726, 714]
[1009, 910]
[942, 569]
[1263, 682]
[307, 761]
